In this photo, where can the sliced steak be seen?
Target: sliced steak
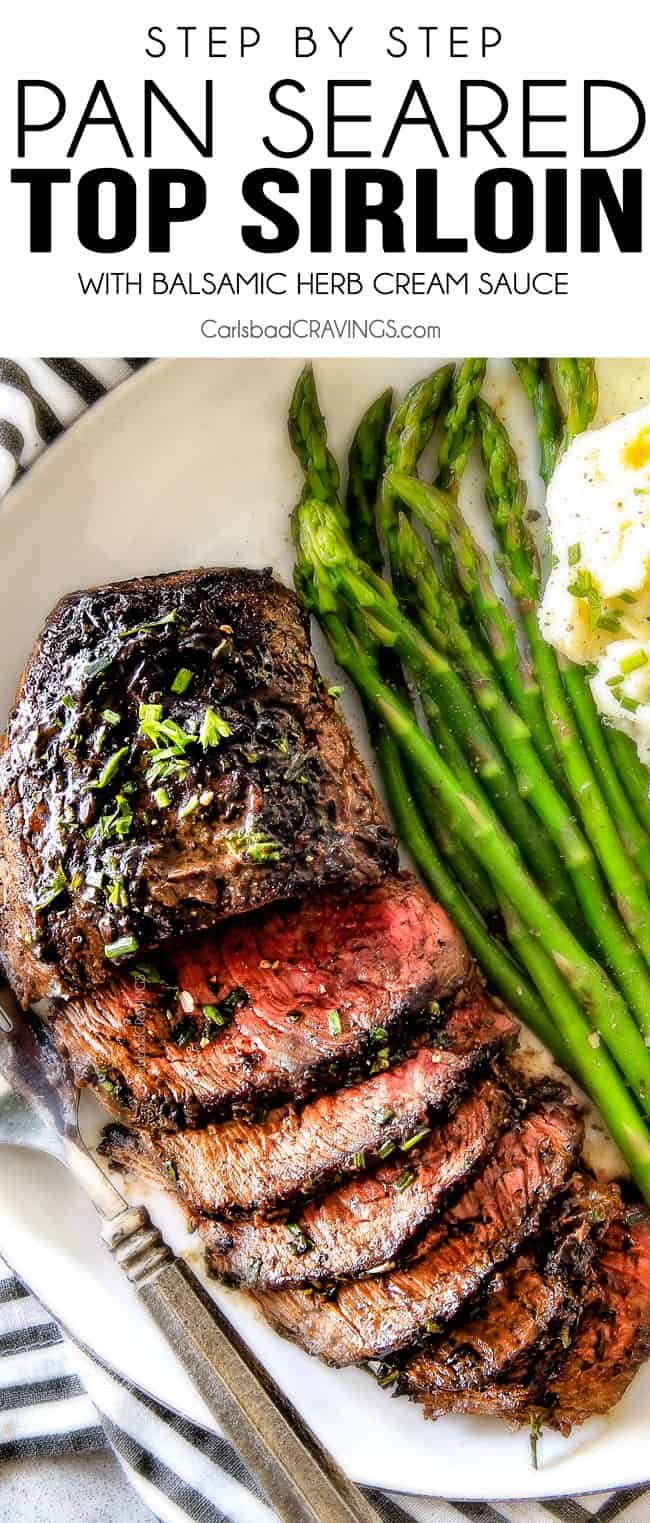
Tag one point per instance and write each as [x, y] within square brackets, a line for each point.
[376, 1316]
[364, 1223]
[527, 1317]
[269, 1005]
[245, 1165]
[264, 796]
[613, 1338]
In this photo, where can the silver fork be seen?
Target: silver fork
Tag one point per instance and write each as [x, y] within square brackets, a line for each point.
[301, 1480]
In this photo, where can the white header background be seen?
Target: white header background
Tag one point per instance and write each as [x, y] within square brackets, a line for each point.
[42, 309]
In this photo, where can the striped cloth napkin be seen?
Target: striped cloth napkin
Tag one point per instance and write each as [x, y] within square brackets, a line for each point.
[57, 1399]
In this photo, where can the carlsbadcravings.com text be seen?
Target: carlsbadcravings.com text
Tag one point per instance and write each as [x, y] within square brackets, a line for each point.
[313, 328]
[433, 208]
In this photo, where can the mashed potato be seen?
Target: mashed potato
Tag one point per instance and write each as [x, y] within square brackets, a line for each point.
[596, 606]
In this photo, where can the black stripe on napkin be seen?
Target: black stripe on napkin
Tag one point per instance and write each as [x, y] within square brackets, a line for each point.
[54, 1445]
[34, 1393]
[47, 423]
[79, 378]
[43, 1336]
[12, 1290]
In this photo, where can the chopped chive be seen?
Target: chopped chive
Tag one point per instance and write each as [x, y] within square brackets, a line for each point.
[299, 1241]
[151, 713]
[117, 894]
[148, 974]
[412, 1142]
[335, 692]
[359, 1160]
[574, 554]
[170, 1170]
[182, 680]
[162, 798]
[123, 947]
[627, 597]
[140, 629]
[213, 729]
[386, 1150]
[110, 769]
[631, 704]
[616, 681]
[405, 1179]
[188, 807]
[56, 886]
[379, 1034]
[334, 1022]
[111, 716]
[609, 622]
[76, 882]
[68, 701]
[385, 1116]
[633, 662]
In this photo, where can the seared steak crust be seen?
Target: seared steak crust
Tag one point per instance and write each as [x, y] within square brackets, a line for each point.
[613, 1338]
[302, 990]
[374, 1317]
[367, 1221]
[245, 1165]
[507, 1349]
[265, 800]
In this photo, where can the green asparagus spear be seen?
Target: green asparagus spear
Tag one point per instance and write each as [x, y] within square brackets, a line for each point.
[365, 468]
[546, 411]
[408, 434]
[630, 769]
[587, 981]
[308, 438]
[441, 623]
[576, 387]
[505, 496]
[365, 464]
[502, 973]
[460, 424]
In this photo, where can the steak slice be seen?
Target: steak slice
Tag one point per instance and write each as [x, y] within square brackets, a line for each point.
[503, 1351]
[364, 1223]
[270, 1005]
[375, 1317]
[246, 1166]
[613, 1337]
[264, 796]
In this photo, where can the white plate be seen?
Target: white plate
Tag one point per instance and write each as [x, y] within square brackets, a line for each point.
[187, 465]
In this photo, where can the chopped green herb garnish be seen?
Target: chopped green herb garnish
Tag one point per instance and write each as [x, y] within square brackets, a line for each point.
[76, 882]
[117, 894]
[359, 1160]
[634, 662]
[433, 1327]
[574, 554]
[609, 622]
[334, 1022]
[616, 681]
[182, 680]
[335, 692]
[68, 701]
[189, 806]
[111, 716]
[140, 629]
[254, 845]
[412, 1142]
[57, 885]
[151, 713]
[627, 597]
[299, 1241]
[385, 1116]
[386, 1376]
[162, 798]
[631, 704]
[123, 947]
[105, 1082]
[386, 1150]
[116, 822]
[110, 770]
[213, 730]
[405, 1179]
[379, 1034]
[584, 586]
[147, 974]
[170, 1171]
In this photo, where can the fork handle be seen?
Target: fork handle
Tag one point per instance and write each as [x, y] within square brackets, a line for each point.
[301, 1480]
